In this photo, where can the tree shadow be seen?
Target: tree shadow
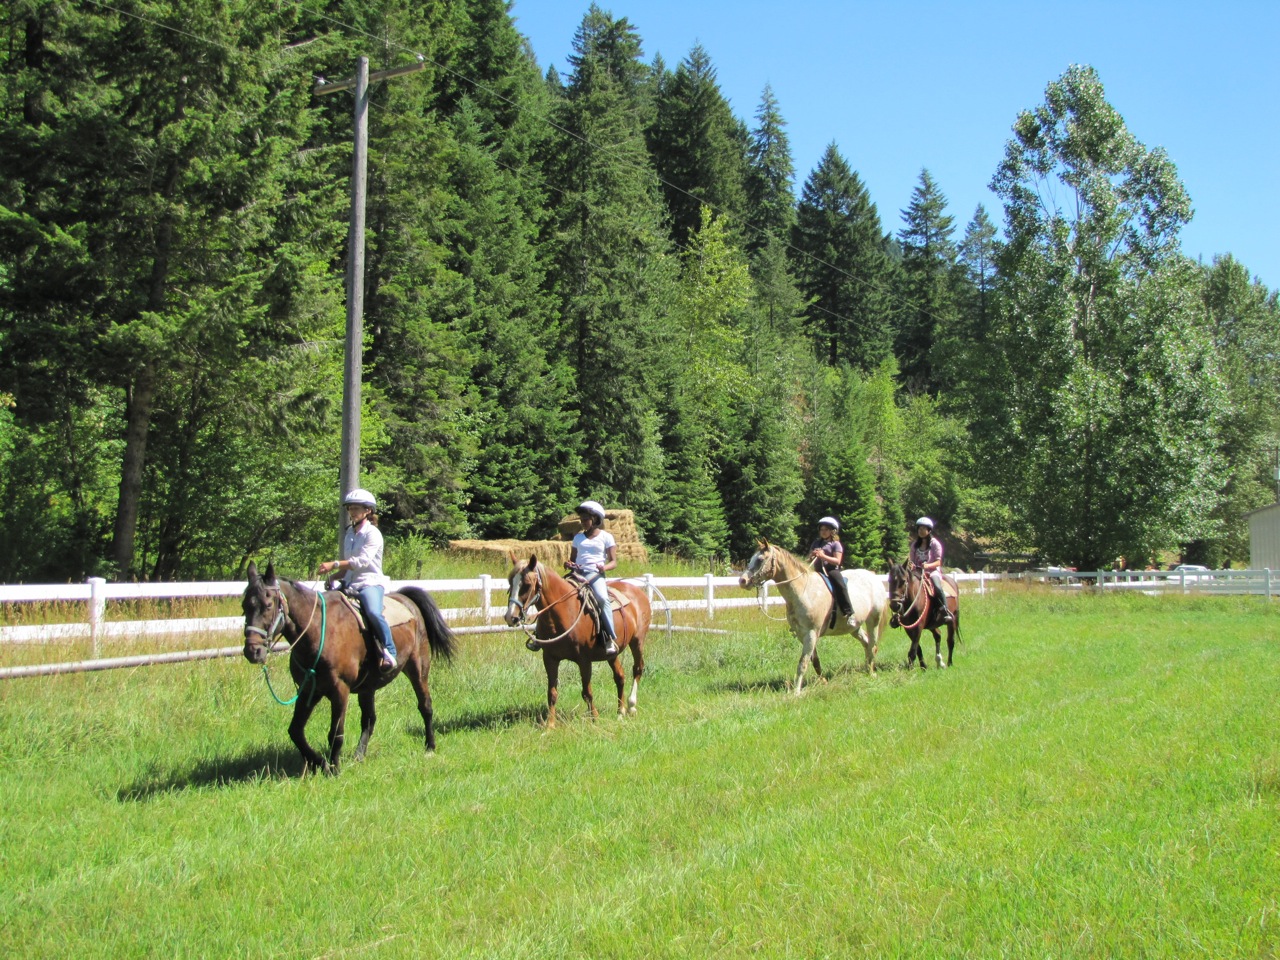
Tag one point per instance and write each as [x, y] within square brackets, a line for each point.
[262, 763]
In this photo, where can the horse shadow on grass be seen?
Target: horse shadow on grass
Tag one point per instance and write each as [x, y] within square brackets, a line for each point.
[498, 719]
[254, 766]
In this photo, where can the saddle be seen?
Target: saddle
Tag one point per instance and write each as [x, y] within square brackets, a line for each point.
[591, 602]
[393, 609]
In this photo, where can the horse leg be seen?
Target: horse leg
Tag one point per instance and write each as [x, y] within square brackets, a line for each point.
[937, 647]
[869, 646]
[368, 717]
[418, 671]
[552, 666]
[637, 671]
[952, 629]
[619, 683]
[914, 653]
[584, 667]
[337, 724]
[302, 708]
[808, 645]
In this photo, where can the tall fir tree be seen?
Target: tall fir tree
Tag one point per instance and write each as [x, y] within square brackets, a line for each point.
[842, 266]
[698, 149]
[771, 174]
[928, 264]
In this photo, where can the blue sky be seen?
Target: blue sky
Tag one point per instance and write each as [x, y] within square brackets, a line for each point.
[910, 85]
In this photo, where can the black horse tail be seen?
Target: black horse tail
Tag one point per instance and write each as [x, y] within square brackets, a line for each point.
[443, 642]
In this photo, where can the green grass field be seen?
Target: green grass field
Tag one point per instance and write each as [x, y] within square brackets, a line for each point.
[1096, 777]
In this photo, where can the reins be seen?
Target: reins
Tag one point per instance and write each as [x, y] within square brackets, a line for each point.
[524, 623]
[924, 612]
[310, 677]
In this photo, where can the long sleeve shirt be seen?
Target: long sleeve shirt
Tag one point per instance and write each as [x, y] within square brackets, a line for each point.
[362, 549]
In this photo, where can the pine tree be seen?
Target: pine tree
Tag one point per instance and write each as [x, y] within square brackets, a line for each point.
[698, 149]
[842, 266]
[771, 174]
[928, 261]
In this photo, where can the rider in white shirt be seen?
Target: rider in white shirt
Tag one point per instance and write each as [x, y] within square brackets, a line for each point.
[594, 551]
[361, 568]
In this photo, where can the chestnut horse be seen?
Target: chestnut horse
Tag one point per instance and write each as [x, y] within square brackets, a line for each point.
[564, 630]
[916, 609]
[329, 656]
[809, 603]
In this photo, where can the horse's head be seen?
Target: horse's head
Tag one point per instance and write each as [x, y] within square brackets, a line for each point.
[762, 566]
[264, 613]
[524, 588]
[899, 587]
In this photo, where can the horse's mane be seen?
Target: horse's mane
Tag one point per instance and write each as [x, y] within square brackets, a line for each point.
[795, 566]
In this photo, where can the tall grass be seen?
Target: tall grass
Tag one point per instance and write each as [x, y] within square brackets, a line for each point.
[1097, 776]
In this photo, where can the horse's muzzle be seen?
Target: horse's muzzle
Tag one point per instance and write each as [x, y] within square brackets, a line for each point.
[512, 616]
[744, 582]
[255, 652]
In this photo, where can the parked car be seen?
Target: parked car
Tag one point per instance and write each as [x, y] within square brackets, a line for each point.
[1193, 571]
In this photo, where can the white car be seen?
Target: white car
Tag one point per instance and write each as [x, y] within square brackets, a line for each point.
[1193, 571]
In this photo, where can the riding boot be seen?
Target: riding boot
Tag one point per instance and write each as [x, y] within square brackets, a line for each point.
[608, 646]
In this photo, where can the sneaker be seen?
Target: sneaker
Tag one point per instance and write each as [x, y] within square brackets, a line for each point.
[388, 662]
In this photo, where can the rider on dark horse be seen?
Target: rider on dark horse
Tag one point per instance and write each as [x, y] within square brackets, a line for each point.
[926, 555]
[827, 555]
[593, 552]
[361, 569]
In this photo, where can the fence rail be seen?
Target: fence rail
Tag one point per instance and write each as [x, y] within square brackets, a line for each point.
[96, 593]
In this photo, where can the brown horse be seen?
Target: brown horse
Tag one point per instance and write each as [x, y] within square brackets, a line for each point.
[916, 609]
[564, 630]
[329, 656]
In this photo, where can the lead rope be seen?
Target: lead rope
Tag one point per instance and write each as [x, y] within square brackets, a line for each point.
[310, 677]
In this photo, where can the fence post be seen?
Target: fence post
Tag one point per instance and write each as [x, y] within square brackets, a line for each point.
[97, 609]
[1267, 571]
[711, 597]
[982, 583]
[648, 587]
[486, 583]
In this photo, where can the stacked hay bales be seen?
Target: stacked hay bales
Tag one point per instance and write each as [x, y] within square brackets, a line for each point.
[621, 523]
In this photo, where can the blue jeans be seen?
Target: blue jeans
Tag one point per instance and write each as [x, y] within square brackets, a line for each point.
[371, 604]
[601, 590]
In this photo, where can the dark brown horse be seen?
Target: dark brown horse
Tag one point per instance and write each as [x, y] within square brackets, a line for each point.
[916, 609]
[329, 656]
[564, 630]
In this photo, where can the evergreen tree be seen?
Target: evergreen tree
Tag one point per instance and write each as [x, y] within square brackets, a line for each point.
[771, 174]
[842, 266]
[928, 262]
[609, 269]
[698, 148]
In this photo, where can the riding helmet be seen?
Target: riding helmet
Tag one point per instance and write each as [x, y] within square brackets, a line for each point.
[829, 522]
[361, 498]
[924, 522]
[590, 506]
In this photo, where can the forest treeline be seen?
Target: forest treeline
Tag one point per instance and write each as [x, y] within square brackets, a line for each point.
[601, 284]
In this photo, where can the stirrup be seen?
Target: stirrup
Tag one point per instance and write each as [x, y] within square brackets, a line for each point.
[387, 662]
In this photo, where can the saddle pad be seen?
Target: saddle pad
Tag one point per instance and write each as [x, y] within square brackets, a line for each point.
[394, 609]
[617, 599]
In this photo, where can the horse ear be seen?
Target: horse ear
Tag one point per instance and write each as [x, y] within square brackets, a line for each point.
[763, 543]
[270, 575]
[511, 555]
[253, 572]
[533, 559]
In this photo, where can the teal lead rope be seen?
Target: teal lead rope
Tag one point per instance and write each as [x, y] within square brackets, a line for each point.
[310, 678]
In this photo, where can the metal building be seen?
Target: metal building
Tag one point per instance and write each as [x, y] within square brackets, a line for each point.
[1264, 538]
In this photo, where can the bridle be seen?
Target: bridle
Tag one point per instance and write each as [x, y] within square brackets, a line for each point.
[513, 599]
[277, 625]
[922, 592]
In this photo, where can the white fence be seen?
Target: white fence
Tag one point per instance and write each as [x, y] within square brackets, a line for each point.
[96, 593]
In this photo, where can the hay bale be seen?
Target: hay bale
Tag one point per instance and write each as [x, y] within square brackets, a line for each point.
[554, 552]
[621, 523]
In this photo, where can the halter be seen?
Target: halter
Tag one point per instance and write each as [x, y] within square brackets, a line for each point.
[777, 583]
[514, 599]
[276, 627]
[924, 607]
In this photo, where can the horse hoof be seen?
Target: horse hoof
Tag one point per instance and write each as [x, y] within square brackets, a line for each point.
[631, 710]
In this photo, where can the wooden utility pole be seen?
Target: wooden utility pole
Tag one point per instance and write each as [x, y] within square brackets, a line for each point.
[349, 466]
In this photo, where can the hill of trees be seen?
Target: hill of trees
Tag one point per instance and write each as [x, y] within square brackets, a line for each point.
[598, 285]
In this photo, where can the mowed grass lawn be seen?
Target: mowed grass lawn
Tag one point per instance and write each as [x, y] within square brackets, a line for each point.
[1096, 777]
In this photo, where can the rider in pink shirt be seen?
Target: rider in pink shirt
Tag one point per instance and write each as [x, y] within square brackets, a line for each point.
[926, 554]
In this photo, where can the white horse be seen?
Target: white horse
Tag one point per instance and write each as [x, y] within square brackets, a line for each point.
[809, 603]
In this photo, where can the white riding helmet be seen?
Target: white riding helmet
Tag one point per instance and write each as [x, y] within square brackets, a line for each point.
[590, 506]
[359, 497]
[829, 522]
[924, 522]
